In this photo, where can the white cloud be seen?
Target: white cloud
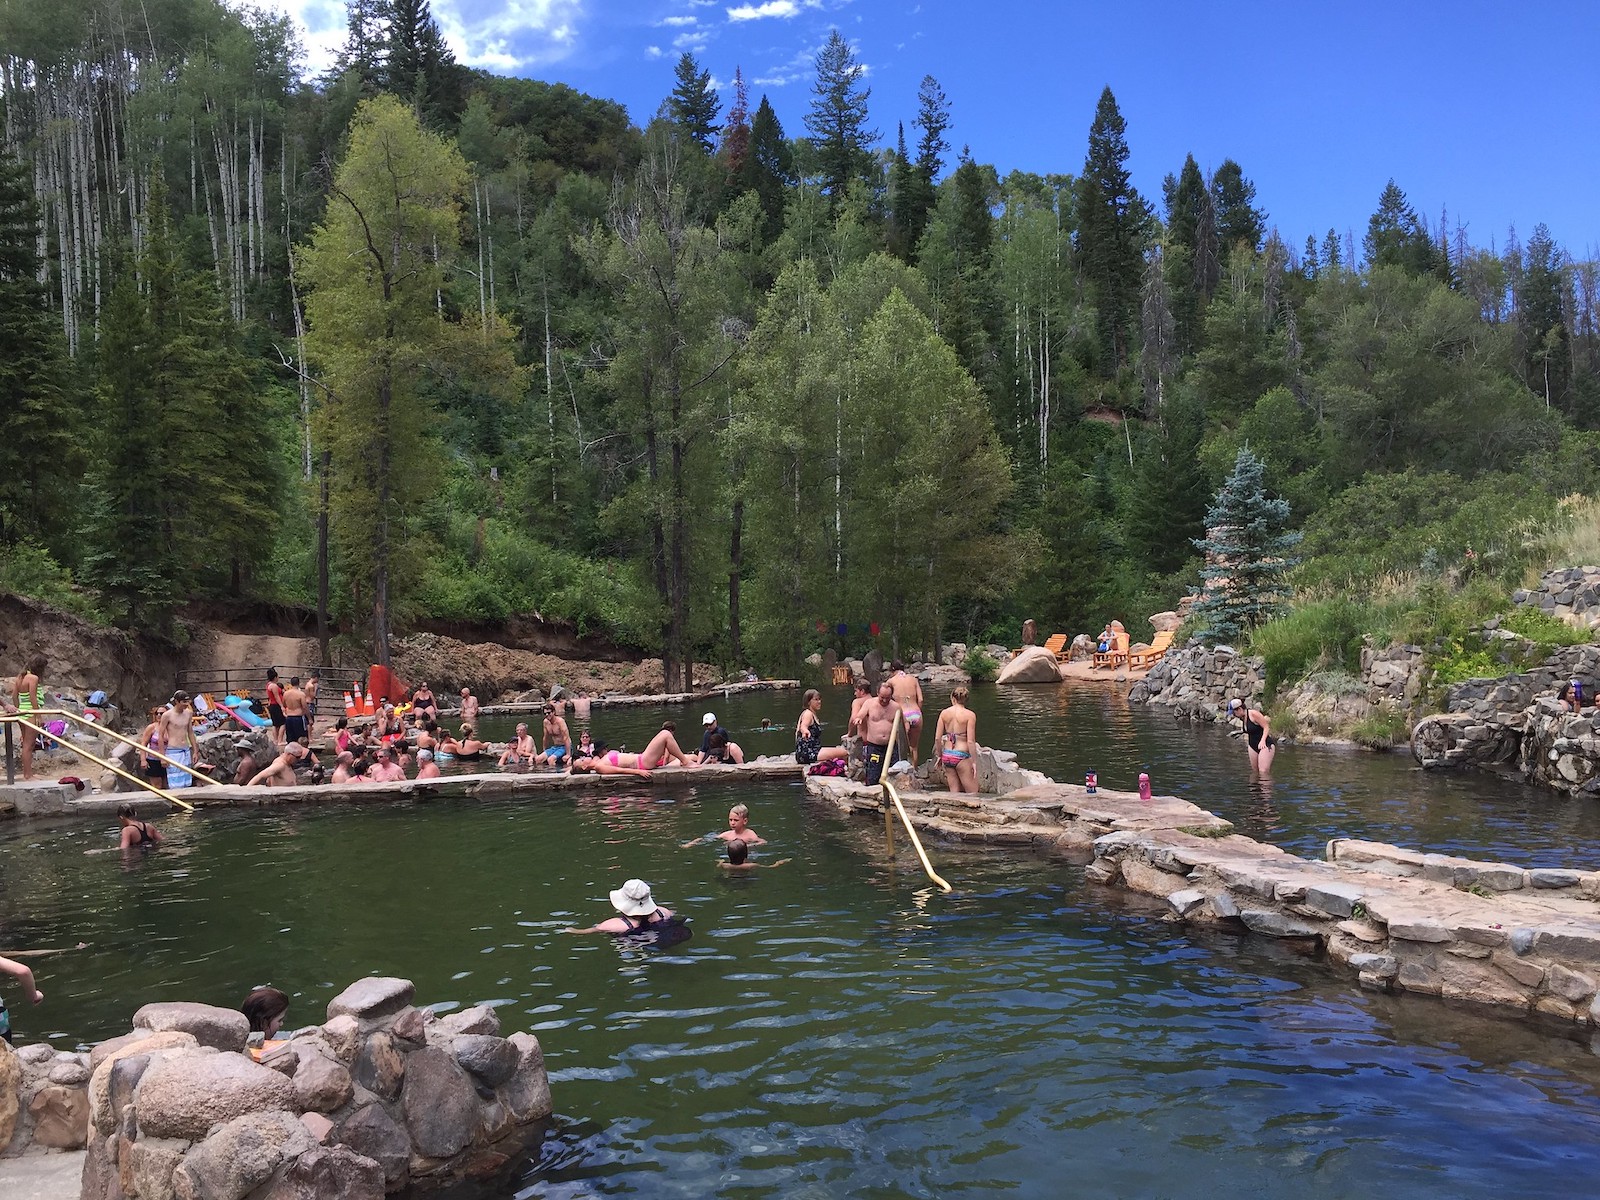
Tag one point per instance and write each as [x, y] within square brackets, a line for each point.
[510, 35]
[771, 8]
[652, 51]
[690, 41]
[679, 21]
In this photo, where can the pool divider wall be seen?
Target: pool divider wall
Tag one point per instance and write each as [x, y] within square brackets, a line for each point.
[1515, 941]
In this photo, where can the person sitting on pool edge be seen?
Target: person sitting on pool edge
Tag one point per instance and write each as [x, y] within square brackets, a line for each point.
[739, 858]
[637, 909]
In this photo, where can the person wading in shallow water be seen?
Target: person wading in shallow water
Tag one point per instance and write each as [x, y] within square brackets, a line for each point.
[956, 739]
[1257, 734]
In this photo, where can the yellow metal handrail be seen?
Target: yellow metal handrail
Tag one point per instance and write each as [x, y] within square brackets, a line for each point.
[19, 719]
[905, 819]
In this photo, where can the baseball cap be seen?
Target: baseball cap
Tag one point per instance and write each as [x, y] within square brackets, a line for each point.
[709, 719]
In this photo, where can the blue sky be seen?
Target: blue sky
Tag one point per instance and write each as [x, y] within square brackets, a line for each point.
[1489, 110]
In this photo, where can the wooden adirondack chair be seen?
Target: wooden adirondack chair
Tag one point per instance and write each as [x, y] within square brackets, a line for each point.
[1116, 656]
[1140, 660]
[1056, 644]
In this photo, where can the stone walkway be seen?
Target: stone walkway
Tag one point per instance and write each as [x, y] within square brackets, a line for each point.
[1495, 934]
[42, 1176]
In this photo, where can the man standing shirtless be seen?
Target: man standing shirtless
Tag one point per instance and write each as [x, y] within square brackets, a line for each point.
[877, 725]
[908, 694]
[275, 704]
[175, 739]
[296, 722]
[469, 707]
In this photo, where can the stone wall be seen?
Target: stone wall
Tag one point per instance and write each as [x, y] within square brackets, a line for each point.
[1197, 682]
[1570, 593]
[44, 1099]
[380, 1096]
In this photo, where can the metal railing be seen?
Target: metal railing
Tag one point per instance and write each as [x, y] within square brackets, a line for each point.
[892, 805]
[10, 719]
[239, 681]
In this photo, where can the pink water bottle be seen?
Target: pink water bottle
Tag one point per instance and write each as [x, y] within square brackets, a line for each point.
[1144, 786]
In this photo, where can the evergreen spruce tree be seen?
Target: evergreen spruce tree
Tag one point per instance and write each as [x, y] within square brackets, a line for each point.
[1547, 350]
[1309, 264]
[365, 53]
[39, 455]
[1332, 253]
[1187, 203]
[1112, 224]
[1396, 236]
[694, 103]
[1248, 548]
[933, 119]
[186, 469]
[837, 119]
[904, 199]
[418, 66]
[1239, 221]
[768, 168]
[1167, 504]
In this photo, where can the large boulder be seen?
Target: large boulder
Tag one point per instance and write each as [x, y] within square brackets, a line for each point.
[328, 1173]
[240, 1156]
[491, 1059]
[373, 998]
[10, 1092]
[183, 1097]
[1033, 664]
[220, 1028]
[371, 1132]
[441, 1105]
[60, 1117]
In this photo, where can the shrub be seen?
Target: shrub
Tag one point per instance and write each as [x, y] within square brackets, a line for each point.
[1323, 634]
[28, 570]
[980, 666]
[1381, 729]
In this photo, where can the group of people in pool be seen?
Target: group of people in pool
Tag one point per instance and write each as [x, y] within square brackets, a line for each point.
[871, 727]
[637, 910]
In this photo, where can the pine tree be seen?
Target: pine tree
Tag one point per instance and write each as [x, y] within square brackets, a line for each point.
[1248, 548]
[42, 419]
[365, 53]
[768, 168]
[186, 470]
[1332, 253]
[933, 119]
[904, 198]
[694, 103]
[1239, 221]
[1309, 264]
[1187, 204]
[418, 66]
[1396, 237]
[1541, 316]
[734, 146]
[837, 119]
[1112, 225]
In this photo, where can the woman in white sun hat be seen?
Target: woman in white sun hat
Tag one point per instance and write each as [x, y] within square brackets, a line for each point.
[638, 911]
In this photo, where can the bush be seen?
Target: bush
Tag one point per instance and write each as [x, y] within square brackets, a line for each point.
[1547, 633]
[1381, 729]
[980, 666]
[28, 570]
[1324, 634]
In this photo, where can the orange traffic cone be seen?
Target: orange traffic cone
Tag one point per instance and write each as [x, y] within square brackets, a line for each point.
[349, 705]
[372, 707]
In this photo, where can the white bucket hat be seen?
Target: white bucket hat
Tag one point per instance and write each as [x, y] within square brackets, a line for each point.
[633, 899]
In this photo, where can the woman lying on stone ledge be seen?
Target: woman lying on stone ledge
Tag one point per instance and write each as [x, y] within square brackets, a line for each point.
[662, 750]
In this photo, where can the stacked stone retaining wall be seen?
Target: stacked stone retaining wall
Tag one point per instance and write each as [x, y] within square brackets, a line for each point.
[1518, 941]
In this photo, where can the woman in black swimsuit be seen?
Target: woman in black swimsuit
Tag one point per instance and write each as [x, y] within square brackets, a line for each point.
[136, 834]
[1257, 734]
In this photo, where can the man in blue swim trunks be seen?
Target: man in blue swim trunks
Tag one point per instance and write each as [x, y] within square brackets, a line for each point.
[557, 739]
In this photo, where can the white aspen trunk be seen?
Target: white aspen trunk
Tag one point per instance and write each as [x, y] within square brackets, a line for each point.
[488, 224]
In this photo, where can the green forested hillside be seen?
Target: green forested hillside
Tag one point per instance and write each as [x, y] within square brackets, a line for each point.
[411, 340]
